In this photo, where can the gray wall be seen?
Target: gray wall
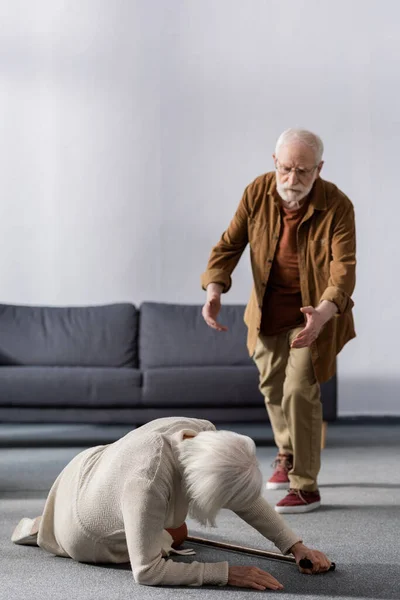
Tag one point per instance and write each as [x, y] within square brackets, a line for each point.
[130, 128]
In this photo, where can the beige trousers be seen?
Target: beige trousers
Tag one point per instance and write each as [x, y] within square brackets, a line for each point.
[293, 400]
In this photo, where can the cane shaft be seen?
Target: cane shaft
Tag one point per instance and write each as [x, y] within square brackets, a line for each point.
[304, 563]
[243, 549]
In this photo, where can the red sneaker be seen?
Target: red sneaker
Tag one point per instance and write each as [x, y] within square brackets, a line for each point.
[280, 479]
[299, 501]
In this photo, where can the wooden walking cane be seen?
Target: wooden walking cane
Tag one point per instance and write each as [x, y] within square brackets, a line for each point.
[305, 563]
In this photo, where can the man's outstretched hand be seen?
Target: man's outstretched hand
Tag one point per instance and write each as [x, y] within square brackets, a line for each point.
[315, 320]
[314, 323]
[210, 312]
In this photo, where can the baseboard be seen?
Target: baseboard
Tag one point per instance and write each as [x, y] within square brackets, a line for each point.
[368, 419]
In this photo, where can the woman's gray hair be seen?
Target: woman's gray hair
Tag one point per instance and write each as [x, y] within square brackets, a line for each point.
[220, 470]
[305, 137]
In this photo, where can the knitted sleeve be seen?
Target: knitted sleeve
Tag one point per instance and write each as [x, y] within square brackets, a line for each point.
[269, 523]
[143, 510]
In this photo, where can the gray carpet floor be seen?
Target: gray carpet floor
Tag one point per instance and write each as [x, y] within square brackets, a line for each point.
[358, 526]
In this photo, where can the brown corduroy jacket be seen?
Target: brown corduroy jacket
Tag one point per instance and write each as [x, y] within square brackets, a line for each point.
[326, 244]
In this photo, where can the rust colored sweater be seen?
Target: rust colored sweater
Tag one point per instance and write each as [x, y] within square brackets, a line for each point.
[282, 300]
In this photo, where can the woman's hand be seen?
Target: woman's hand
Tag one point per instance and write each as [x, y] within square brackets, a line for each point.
[252, 577]
[321, 563]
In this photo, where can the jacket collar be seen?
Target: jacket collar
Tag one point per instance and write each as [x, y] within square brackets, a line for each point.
[318, 195]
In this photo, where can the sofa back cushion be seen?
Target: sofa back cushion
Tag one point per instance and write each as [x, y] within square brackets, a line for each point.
[177, 335]
[92, 336]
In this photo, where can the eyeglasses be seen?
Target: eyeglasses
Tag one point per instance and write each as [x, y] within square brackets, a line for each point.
[301, 173]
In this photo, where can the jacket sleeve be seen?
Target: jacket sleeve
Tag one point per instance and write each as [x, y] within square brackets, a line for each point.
[343, 259]
[269, 523]
[143, 510]
[226, 254]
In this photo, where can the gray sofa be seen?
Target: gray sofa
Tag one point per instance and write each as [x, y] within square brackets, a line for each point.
[117, 364]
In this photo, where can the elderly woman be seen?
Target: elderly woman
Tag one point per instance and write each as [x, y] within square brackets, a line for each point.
[116, 503]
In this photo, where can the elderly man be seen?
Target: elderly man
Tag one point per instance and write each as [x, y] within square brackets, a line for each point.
[128, 501]
[302, 246]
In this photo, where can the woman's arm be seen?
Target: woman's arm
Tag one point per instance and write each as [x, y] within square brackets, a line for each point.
[270, 524]
[143, 510]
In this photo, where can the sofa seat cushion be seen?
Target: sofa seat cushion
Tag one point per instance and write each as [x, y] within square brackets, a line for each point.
[79, 336]
[201, 387]
[62, 387]
[175, 335]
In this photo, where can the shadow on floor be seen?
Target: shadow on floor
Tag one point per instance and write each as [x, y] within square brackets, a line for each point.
[24, 494]
[383, 486]
[387, 508]
[375, 581]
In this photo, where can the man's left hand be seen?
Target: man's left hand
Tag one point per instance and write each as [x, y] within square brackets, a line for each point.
[314, 323]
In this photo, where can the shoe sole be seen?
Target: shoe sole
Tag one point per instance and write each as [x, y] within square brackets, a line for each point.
[270, 485]
[26, 532]
[303, 508]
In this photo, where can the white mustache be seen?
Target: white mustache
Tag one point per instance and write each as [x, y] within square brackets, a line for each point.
[291, 189]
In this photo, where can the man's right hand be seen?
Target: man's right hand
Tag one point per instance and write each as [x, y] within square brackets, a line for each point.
[210, 312]
[252, 577]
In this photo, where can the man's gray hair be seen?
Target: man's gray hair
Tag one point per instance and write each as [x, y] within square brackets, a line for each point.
[220, 471]
[305, 137]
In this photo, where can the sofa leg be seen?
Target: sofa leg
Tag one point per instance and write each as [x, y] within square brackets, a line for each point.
[323, 434]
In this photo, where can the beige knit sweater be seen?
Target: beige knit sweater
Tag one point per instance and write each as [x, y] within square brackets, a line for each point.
[112, 503]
